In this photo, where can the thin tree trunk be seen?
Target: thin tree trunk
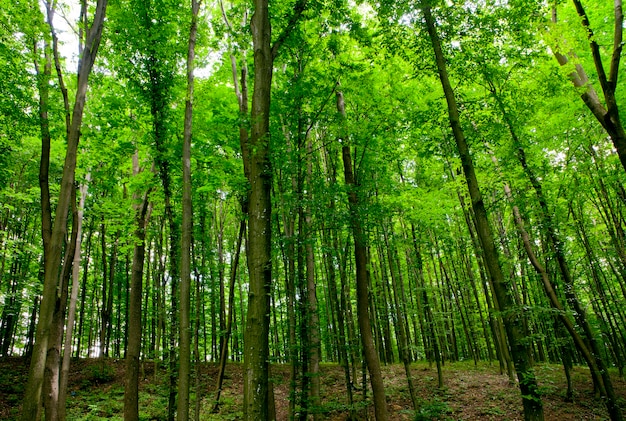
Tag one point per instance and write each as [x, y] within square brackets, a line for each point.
[187, 230]
[314, 350]
[361, 262]
[229, 321]
[71, 317]
[133, 352]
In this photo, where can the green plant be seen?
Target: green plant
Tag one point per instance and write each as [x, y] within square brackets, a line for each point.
[101, 373]
[493, 411]
[433, 410]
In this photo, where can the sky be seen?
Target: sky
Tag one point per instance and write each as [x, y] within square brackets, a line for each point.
[67, 11]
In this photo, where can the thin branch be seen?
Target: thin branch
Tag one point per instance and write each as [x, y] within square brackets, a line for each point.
[50, 9]
[617, 44]
[230, 28]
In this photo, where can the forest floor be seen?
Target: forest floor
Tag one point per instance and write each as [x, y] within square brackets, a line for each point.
[96, 392]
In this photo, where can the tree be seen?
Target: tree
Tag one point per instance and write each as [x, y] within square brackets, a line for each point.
[133, 353]
[259, 173]
[362, 274]
[185, 262]
[32, 394]
[514, 329]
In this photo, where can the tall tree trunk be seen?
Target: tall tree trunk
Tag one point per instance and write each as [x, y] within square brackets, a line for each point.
[314, 349]
[531, 398]
[53, 357]
[71, 317]
[187, 230]
[229, 321]
[256, 339]
[32, 393]
[133, 352]
[362, 281]
[337, 296]
[258, 169]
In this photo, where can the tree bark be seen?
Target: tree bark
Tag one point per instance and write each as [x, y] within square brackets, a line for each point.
[71, 317]
[53, 357]
[32, 394]
[362, 279]
[187, 230]
[607, 114]
[258, 168]
[133, 352]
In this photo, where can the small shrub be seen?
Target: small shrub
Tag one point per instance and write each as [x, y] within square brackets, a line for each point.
[101, 373]
[431, 411]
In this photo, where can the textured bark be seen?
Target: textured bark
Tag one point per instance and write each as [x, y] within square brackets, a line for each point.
[513, 323]
[32, 394]
[229, 320]
[133, 352]
[187, 230]
[256, 336]
[362, 280]
[71, 317]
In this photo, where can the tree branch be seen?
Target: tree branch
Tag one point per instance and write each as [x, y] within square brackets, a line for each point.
[595, 50]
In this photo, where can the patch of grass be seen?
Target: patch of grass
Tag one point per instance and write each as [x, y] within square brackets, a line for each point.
[101, 373]
[229, 409]
[493, 410]
[432, 411]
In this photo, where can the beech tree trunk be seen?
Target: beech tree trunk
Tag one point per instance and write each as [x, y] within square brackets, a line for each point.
[133, 352]
[258, 169]
[71, 317]
[256, 336]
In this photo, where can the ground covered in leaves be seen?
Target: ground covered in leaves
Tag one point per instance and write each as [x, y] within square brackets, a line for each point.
[470, 393]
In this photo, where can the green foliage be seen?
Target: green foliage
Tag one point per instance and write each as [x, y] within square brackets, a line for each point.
[101, 373]
[432, 410]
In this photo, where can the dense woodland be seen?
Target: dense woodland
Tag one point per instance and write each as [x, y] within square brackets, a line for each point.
[306, 182]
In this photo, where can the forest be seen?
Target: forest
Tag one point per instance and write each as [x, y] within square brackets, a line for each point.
[294, 186]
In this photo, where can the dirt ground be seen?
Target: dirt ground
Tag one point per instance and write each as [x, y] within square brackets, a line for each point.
[469, 392]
